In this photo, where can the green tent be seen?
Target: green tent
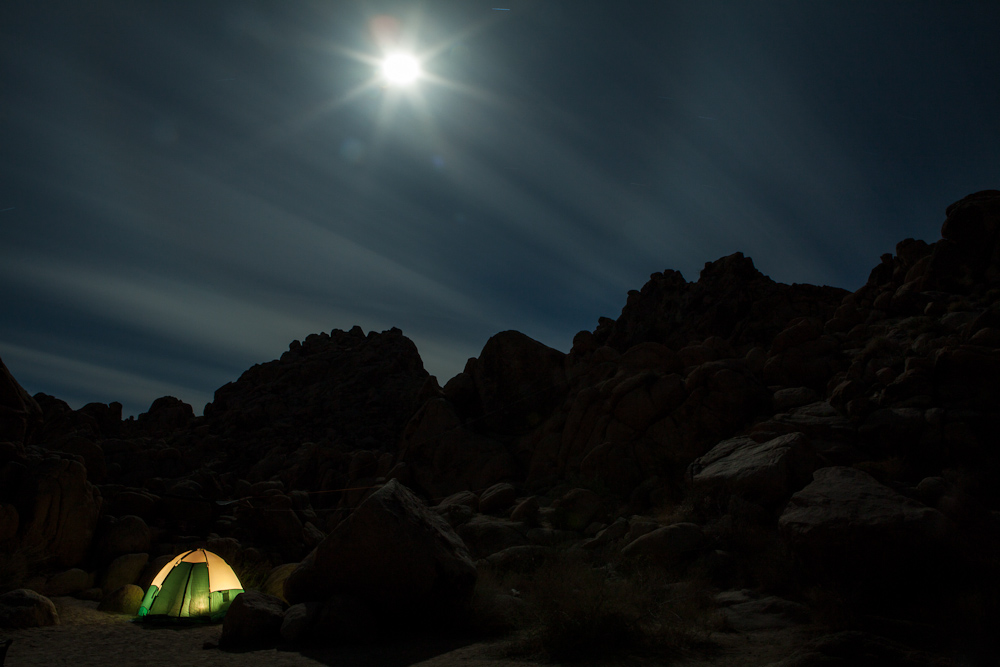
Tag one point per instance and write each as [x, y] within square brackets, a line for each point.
[195, 586]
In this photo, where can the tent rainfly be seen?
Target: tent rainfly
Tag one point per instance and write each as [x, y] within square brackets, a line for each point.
[195, 586]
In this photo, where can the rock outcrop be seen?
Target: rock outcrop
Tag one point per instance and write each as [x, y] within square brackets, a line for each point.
[765, 436]
[20, 414]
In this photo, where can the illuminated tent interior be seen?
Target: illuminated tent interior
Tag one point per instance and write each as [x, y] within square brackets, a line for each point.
[197, 585]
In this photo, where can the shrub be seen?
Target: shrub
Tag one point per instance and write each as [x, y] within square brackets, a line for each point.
[572, 611]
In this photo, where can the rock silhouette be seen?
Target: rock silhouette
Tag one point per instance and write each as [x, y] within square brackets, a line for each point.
[850, 436]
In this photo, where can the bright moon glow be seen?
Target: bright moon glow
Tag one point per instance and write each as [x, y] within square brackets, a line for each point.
[400, 69]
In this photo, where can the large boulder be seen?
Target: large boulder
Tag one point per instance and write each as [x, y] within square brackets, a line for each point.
[274, 582]
[166, 414]
[58, 509]
[846, 525]
[393, 553]
[21, 608]
[443, 456]
[764, 472]
[669, 545]
[69, 582]
[518, 381]
[124, 570]
[253, 620]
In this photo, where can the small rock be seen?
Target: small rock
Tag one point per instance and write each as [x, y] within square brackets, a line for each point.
[124, 600]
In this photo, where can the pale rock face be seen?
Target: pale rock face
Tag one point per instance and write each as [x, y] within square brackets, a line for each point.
[847, 524]
[764, 472]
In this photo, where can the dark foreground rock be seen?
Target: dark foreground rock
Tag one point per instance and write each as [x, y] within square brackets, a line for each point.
[849, 527]
[392, 555]
[252, 621]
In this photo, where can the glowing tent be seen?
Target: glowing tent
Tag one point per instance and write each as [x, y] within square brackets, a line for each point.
[195, 586]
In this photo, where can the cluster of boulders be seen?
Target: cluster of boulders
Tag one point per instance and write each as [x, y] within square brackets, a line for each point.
[851, 431]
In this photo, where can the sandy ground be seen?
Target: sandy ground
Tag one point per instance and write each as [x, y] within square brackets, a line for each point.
[88, 637]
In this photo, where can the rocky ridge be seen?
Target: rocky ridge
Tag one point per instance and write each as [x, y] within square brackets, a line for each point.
[719, 426]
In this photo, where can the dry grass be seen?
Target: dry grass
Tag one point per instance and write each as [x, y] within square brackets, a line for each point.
[571, 611]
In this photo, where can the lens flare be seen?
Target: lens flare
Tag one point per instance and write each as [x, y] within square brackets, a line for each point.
[400, 69]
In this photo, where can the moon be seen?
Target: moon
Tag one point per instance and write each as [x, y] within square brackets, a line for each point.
[400, 69]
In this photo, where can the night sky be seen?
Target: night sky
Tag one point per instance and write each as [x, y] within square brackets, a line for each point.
[186, 187]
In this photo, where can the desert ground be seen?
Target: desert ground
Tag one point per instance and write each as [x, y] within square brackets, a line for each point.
[86, 637]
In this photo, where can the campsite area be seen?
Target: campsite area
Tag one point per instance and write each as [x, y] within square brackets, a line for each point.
[89, 638]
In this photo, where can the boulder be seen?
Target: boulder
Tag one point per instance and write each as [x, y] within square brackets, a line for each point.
[846, 525]
[58, 509]
[466, 498]
[526, 511]
[252, 621]
[518, 380]
[298, 621]
[669, 545]
[21, 608]
[123, 600]
[484, 535]
[820, 422]
[444, 456]
[794, 397]
[165, 415]
[497, 499]
[763, 472]
[68, 582]
[274, 583]
[576, 509]
[393, 552]
[124, 570]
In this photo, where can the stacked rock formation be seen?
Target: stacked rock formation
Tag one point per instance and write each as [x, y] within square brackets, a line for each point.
[853, 431]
